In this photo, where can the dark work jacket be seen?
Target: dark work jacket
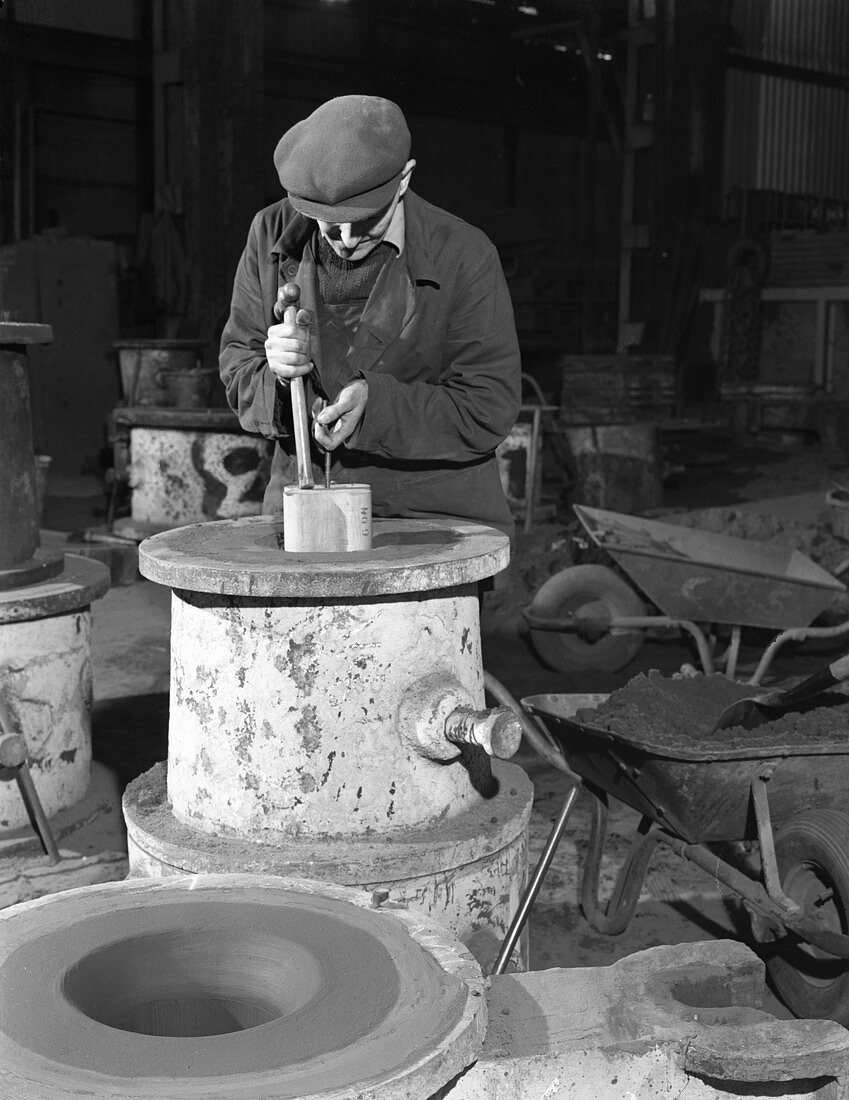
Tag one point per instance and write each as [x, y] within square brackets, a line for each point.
[436, 343]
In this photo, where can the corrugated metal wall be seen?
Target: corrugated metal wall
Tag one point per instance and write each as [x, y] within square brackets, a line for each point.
[813, 34]
[782, 134]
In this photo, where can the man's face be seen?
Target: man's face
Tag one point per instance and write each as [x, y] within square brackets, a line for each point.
[354, 240]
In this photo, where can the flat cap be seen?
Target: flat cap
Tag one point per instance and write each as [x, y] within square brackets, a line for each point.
[343, 162]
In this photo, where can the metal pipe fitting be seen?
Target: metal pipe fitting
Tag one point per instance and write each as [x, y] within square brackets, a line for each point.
[497, 731]
[436, 714]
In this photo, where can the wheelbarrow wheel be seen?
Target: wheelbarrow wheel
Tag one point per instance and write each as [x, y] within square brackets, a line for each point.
[812, 849]
[597, 594]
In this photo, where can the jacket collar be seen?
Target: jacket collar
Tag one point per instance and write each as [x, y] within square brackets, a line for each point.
[417, 249]
[296, 230]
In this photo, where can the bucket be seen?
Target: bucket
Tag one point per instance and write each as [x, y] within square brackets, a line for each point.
[143, 366]
[188, 389]
[617, 466]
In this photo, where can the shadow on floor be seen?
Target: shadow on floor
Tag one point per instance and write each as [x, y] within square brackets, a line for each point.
[130, 734]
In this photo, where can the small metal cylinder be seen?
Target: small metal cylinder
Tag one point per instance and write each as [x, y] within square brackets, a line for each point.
[18, 510]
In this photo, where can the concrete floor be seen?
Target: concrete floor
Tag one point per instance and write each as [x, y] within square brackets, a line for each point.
[679, 902]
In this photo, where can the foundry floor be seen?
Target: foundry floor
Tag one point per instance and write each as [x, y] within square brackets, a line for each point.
[130, 654]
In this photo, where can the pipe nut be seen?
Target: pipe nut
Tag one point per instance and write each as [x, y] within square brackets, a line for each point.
[437, 715]
[13, 750]
[497, 731]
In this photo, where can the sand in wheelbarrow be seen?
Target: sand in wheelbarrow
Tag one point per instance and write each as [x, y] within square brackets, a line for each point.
[681, 711]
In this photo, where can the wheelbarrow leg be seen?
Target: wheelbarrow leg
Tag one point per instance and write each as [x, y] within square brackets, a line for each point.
[534, 884]
[766, 840]
[616, 915]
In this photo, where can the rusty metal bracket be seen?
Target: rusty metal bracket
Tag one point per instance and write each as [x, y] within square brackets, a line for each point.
[766, 839]
[614, 917]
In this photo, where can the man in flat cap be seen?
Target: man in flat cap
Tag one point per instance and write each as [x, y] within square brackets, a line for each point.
[406, 333]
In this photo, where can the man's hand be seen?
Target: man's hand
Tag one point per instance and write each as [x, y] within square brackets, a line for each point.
[287, 348]
[336, 423]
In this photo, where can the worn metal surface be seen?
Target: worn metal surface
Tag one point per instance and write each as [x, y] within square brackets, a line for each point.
[41, 566]
[479, 833]
[45, 677]
[692, 574]
[18, 511]
[466, 872]
[81, 581]
[125, 417]
[21, 561]
[24, 333]
[245, 558]
[181, 476]
[350, 999]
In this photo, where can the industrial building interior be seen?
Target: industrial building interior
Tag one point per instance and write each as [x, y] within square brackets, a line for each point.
[666, 183]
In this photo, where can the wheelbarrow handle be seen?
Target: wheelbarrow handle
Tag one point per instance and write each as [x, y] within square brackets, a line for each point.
[835, 673]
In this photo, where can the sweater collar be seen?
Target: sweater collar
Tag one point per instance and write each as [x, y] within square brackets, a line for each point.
[296, 231]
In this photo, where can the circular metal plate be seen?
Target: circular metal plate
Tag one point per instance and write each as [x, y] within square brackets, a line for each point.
[43, 565]
[16, 333]
[80, 581]
[245, 557]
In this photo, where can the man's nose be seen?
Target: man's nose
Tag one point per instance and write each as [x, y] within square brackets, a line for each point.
[348, 234]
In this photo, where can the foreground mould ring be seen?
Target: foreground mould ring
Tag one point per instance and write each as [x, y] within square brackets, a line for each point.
[236, 986]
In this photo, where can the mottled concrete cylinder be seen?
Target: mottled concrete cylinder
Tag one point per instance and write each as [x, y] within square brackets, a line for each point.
[286, 716]
[45, 667]
[305, 691]
[46, 681]
[182, 475]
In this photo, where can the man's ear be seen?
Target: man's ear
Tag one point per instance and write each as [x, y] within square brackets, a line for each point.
[405, 177]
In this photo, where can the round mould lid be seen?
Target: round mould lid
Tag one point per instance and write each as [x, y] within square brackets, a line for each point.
[245, 557]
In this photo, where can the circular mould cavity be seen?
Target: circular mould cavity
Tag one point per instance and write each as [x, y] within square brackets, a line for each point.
[230, 986]
[267, 972]
[185, 983]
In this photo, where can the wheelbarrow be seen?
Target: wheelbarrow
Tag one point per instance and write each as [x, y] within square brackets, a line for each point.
[589, 617]
[784, 793]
